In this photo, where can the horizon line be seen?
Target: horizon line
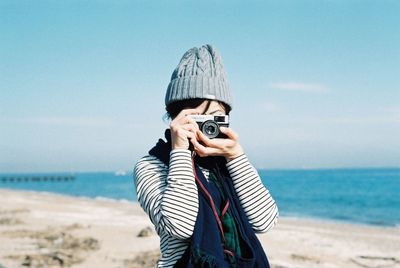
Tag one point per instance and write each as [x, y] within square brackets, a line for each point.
[261, 168]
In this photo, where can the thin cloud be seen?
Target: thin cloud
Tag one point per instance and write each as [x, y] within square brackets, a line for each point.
[389, 115]
[269, 107]
[300, 87]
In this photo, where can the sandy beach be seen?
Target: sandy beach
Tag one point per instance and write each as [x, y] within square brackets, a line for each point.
[50, 230]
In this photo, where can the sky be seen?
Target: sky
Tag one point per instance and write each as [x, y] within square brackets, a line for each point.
[315, 84]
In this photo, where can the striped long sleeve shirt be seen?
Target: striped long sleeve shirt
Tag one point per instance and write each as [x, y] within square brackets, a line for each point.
[169, 196]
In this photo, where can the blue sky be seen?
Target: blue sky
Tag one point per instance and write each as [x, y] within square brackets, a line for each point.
[315, 84]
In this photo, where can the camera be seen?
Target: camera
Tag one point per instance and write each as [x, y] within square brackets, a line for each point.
[210, 124]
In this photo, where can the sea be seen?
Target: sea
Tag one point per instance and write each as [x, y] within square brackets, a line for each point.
[355, 195]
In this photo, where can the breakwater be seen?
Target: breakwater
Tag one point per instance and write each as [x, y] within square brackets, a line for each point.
[55, 178]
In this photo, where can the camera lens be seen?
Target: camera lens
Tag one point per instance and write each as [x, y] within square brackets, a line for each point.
[210, 129]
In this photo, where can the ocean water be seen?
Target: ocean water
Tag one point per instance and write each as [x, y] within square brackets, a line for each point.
[368, 195]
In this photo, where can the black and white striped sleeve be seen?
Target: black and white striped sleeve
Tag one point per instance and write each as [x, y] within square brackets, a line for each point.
[168, 196]
[258, 204]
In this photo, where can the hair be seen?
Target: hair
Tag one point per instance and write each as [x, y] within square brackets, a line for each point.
[174, 108]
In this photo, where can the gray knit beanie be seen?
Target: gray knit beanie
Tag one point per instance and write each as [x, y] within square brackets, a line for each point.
[199, 74]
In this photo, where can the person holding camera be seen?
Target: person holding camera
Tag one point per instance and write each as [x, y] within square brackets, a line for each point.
[204, 197]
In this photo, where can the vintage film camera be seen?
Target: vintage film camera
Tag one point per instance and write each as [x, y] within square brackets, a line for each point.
[210, 124]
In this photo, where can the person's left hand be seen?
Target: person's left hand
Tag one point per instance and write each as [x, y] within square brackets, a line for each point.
[228, 147]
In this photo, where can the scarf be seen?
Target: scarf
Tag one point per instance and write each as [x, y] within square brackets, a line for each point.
[222, 235]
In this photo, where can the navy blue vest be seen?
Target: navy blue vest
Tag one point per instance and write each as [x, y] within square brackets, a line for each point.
[206, 248]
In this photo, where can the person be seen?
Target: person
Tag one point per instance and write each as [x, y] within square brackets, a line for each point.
[204, 197]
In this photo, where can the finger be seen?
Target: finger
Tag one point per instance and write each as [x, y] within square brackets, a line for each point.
[207, 151]
[188, 120]
[185, 112]
[230, 133]
[203, 138]
[203, 150]
[183, 133]
[206, 140]
[195, 142]
[184, 121]
[190, 127]
[191, 136]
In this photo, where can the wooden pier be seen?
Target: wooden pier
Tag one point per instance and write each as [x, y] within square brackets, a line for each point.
[24, 178]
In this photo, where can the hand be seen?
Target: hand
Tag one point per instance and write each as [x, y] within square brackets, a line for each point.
[183, 129]
[227, 147]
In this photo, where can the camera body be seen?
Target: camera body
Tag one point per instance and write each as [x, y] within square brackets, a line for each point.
[210, 124]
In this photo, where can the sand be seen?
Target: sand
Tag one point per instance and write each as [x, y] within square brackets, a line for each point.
[50, 230]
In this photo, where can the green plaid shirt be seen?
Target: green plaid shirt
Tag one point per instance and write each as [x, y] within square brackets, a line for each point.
[228, 223]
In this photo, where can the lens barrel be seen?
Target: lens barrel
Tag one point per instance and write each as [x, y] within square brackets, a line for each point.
[210, 128]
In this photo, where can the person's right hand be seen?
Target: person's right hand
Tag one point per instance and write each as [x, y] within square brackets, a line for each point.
[183, 129]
